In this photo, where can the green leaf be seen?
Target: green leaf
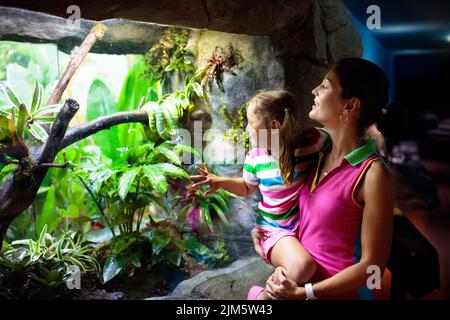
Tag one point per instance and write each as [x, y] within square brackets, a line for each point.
[207, 216]
[126, 180]
[8, 168]
[22, 81]
[38, 132]
[36, 101]
[72, 212]
[43, 190]
[159, 238]
[221, 214]
[97, 178]
[170, 170]
[156, 178]
[170, 122]
[174, 257]
[4, 124]
[113, 266]
[197, 89]
[54, 108]
[220, 200]
[6, 110]
[160, 128]
[9, 93]
[48, 211]
[101, 103]
[149, 107]
[166, 153]
[49, 119]
[134, 88]
[21, 120]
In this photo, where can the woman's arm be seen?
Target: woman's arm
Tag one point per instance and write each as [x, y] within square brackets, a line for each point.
[377, 192]
[234, 185]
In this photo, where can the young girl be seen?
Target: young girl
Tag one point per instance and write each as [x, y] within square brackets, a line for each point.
[278, 174]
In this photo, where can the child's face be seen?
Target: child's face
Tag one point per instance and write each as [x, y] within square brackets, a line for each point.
[328, 103]
[255, 128]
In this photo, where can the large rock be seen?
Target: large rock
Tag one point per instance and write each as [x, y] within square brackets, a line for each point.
[256, 17]
[122, 36]
[231, 283]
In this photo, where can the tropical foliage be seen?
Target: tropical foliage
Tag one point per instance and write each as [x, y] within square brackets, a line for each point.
[112, 206]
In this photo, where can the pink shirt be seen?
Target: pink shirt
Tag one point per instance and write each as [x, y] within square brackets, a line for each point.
[330, 218]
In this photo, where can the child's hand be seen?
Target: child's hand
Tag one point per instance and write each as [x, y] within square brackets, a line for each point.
[206, 179]
[257, 236]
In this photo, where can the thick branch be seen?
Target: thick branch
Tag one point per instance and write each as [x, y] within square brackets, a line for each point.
[20, 189]
[80, 132]
[97, 32]
[58, 131]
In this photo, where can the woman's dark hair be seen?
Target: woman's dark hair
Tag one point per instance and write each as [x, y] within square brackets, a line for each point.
[281, 105]
[368, 83]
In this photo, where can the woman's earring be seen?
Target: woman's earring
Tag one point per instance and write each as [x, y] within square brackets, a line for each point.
[343, 118]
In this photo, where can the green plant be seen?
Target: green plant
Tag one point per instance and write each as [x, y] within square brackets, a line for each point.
[19, 122]
[169, 55]
[27, 266]
[237, 122]
[165, 113]
[212, 68]
[199, 210]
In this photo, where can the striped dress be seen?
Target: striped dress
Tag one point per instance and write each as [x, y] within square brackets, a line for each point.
[278, 208]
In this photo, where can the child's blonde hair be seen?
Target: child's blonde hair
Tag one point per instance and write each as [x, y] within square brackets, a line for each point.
[281, 105]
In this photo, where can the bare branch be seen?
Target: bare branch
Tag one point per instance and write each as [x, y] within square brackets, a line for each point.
[58, 131]
[97, 32]
[55, 165]
[101, 123]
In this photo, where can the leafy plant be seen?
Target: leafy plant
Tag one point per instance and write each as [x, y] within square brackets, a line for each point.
[238, 122]
[165, 113]
[212, 68]
[199, 210]
[19, 122]
[44, 263]
[169, 55]
[162, 243]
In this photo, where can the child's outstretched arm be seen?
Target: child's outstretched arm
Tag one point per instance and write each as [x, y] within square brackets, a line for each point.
[234, 185]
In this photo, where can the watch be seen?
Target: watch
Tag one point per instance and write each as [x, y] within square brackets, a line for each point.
[309, 292]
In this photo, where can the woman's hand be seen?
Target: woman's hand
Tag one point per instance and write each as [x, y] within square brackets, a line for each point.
[257, 236]
[280, 287]
[206, 179]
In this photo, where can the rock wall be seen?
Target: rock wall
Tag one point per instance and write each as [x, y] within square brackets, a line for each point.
[295, 57]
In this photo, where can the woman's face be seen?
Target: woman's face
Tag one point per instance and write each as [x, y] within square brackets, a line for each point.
[328, 103]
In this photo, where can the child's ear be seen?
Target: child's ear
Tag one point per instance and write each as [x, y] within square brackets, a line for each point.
[275, 124]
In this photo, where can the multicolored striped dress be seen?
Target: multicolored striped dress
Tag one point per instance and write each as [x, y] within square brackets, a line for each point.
[278, 208]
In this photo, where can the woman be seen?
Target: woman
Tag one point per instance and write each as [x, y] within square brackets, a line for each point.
[348, 199]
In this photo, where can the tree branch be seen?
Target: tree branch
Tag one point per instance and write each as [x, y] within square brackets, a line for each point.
[58, 131]
[20, 189]
[97, 32]
[85, 130]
